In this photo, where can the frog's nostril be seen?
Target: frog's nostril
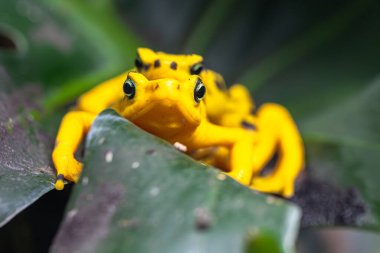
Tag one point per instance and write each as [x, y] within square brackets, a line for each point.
[157, 86]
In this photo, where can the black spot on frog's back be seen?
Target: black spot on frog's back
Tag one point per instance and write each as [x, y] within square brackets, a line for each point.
[157, 63]
[173, 65]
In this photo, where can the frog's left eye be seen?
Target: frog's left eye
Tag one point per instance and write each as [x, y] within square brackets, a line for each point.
[196, 69]
[129, 88]
[199, 91]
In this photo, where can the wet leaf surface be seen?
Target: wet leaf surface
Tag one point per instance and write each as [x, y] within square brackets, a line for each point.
[139, 194]
[25, 171]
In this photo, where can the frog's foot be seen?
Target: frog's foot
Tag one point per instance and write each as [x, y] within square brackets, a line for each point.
[274, 184]
[67, 168]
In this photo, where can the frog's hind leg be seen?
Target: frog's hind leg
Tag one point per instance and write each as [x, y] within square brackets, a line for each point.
[268, 137]
[283, 134]
[73, 128]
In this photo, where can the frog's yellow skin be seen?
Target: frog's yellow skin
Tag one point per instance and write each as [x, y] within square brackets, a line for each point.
[167, 108]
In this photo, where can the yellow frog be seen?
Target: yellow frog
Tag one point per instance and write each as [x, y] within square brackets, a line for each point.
[224, 107]
[168, 108]
[276, 130]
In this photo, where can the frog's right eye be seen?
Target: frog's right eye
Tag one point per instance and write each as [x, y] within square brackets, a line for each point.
[129, 88]
[138, 63]
[199, 91]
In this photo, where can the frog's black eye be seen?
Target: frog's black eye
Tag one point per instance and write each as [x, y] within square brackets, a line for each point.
[196, 69]
[199, 91]
[129, 88]
[138, 63]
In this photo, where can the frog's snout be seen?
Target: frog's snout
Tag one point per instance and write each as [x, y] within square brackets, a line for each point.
[170, 90]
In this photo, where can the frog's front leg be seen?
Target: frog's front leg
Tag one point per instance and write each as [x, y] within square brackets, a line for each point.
[238, 140]
[276, 129]
[73, 128]
[103, 95]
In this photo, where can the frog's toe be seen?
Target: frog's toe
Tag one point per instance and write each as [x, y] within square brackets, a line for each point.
[288, 190]
[72, 174]
[59, 184]
[74, 171]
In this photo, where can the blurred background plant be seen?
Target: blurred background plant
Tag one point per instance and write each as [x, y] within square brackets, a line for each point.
[319, 59]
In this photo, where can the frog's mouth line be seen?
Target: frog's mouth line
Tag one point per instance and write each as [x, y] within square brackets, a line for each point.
[166, 111]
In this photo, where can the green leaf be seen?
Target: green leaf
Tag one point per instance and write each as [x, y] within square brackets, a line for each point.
[139, 194]
[344, 147]
[47, 52]
[66, 46]
[25, 172]
[59, 46]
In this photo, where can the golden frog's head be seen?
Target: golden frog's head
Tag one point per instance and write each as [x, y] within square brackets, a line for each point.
[164, 107]
[155, 65]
